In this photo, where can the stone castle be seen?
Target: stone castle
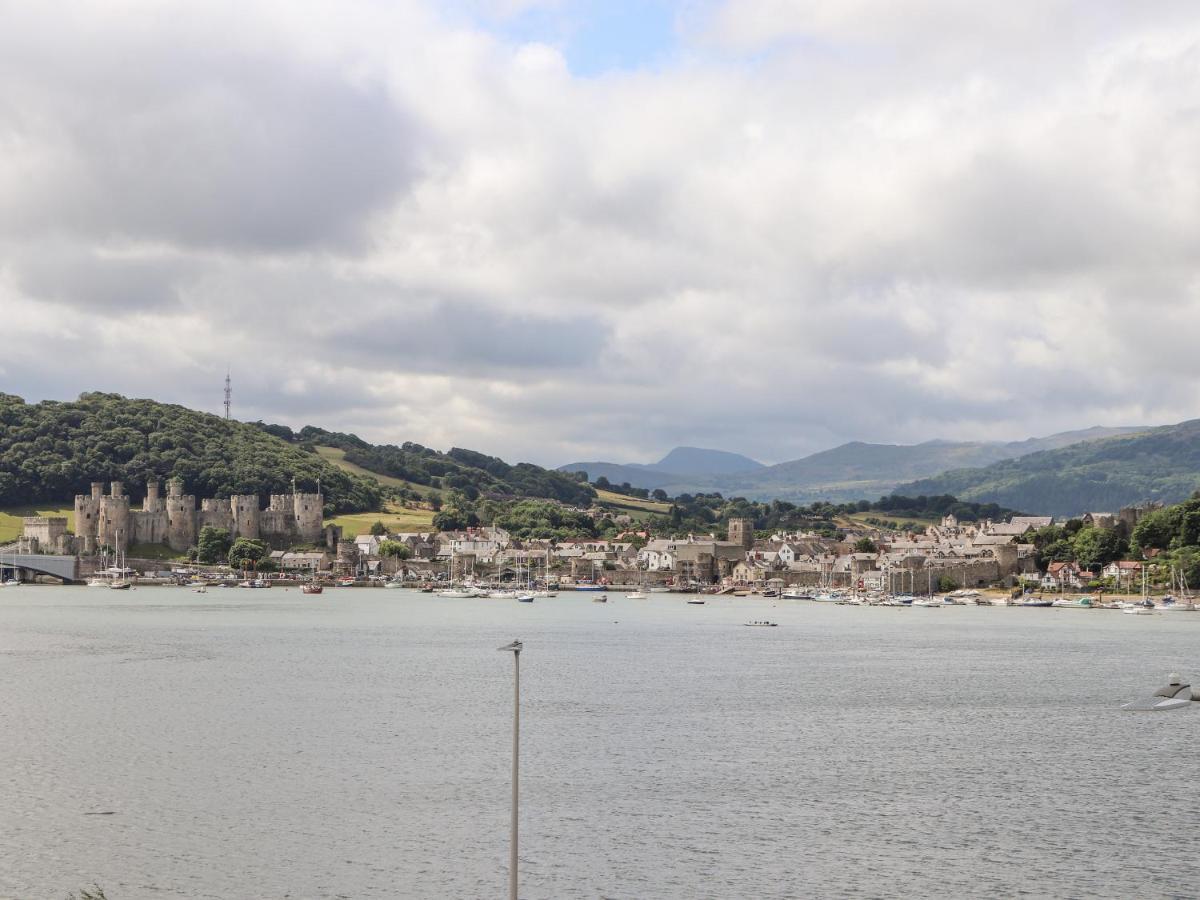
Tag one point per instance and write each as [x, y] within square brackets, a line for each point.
[107, 520]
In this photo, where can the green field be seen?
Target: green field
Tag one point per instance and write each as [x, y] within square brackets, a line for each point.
[633, 506]
[10, 518]
[395, 518]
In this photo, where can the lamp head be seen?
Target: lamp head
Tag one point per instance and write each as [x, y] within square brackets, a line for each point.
[515, 647]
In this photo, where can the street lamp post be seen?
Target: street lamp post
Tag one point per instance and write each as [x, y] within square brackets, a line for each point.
[515, 649]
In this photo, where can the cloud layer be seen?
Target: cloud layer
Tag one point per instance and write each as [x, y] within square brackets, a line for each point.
[806, 223]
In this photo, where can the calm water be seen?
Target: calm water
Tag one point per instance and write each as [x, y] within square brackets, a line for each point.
[356, 744]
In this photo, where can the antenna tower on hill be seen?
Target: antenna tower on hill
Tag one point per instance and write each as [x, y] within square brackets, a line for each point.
[228, 393]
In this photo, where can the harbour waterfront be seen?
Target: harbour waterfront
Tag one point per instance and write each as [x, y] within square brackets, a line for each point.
[267, 744]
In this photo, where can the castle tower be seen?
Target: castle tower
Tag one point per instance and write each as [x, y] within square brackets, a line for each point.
[153, 502]
[309, 512]
[741, 531]
[181, 516]
[87, 517]
[112, 528]
[245, 516]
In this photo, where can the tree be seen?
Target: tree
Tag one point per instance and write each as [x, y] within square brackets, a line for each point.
[246, 553]
[865, 545]
[397, 549]
[378, 529]
[1096, 546]
[660, 495]
[212, 545]
[946, 584]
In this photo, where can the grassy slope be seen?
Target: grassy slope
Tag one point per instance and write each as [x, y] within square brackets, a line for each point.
[337, 456]
[635, 507]
[394, 518]
[10, 519]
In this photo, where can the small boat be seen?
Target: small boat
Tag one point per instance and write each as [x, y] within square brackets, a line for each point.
[794, 594]
[1175, 695]
[695, 602]
[393, 584]
[98, 582]
[311, 587]
[603, 598]
[1033, 601]
[762, 624]
[545, 594]
[121, 585]
[455, 593]
[345, 582]
[636, 595]
[524, 598]
[589, 587]
[201, 589]
[660, 590]
[931, 602]
[1139, 611]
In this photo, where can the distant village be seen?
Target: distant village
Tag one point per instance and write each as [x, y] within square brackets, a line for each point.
[966, 555]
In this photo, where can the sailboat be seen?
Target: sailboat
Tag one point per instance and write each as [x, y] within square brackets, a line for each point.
[120, 583]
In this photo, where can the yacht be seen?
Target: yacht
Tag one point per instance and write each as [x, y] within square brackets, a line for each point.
[636, 595]
[931, 602]
[456, 593]
[796, 594]
[524, 597]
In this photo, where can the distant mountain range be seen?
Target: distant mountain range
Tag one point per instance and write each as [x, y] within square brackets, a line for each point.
[853, 471]
[1093, 476]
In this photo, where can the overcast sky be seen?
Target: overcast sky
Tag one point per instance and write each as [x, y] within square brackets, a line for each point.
[557, 230]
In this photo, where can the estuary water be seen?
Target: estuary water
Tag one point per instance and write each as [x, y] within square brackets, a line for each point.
[265, 744]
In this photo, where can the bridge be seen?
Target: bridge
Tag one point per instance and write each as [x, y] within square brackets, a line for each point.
[64, 567]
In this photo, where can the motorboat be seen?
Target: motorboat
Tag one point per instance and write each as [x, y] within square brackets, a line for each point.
[931, 602]
[311, 587]
[543, 594]
[1140, 611]
[200, 589]
[502, 595]
[456, 593]
[1035, 601]
[660, 590]
[393, 584]
[121, 585]
[98, 582]
[603, 598]
[762, 624]
[524, 598]
[794, 594]
[636, 595]
[1174, 695]
[696, 602]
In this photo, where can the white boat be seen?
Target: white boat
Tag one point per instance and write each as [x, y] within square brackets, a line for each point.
[1175, 695]
[502, 595]
[97, 582]
[796, 594]
[637, 595]
[1139, 611]
[524, 597]
[393, 584]
[931, 602]
[542, 594]
[660, 590]
[456, 593]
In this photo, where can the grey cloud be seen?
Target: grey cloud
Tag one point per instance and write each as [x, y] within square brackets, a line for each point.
[201, 146]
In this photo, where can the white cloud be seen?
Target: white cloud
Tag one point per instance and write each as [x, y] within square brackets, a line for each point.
[887, 226]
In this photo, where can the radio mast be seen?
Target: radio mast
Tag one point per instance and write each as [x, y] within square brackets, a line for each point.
[228, 393]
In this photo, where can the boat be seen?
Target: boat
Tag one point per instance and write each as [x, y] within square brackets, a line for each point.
[795, 594]
[696, 602]
[636, 595]
[545, 593]
[931, 602]
[201, 589]
[97, 582]
[456, 593]
[524, 598]
[762, 624]
[311, 587]
[1139, 611]
[393, 584]
[1035, 601]
[345, 582]
[660, 590]
[589, 587]
[603, 598]
[121, 585]
[1174, 695]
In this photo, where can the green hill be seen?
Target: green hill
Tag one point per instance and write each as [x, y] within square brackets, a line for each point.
[52, 450]
[1101, 475]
